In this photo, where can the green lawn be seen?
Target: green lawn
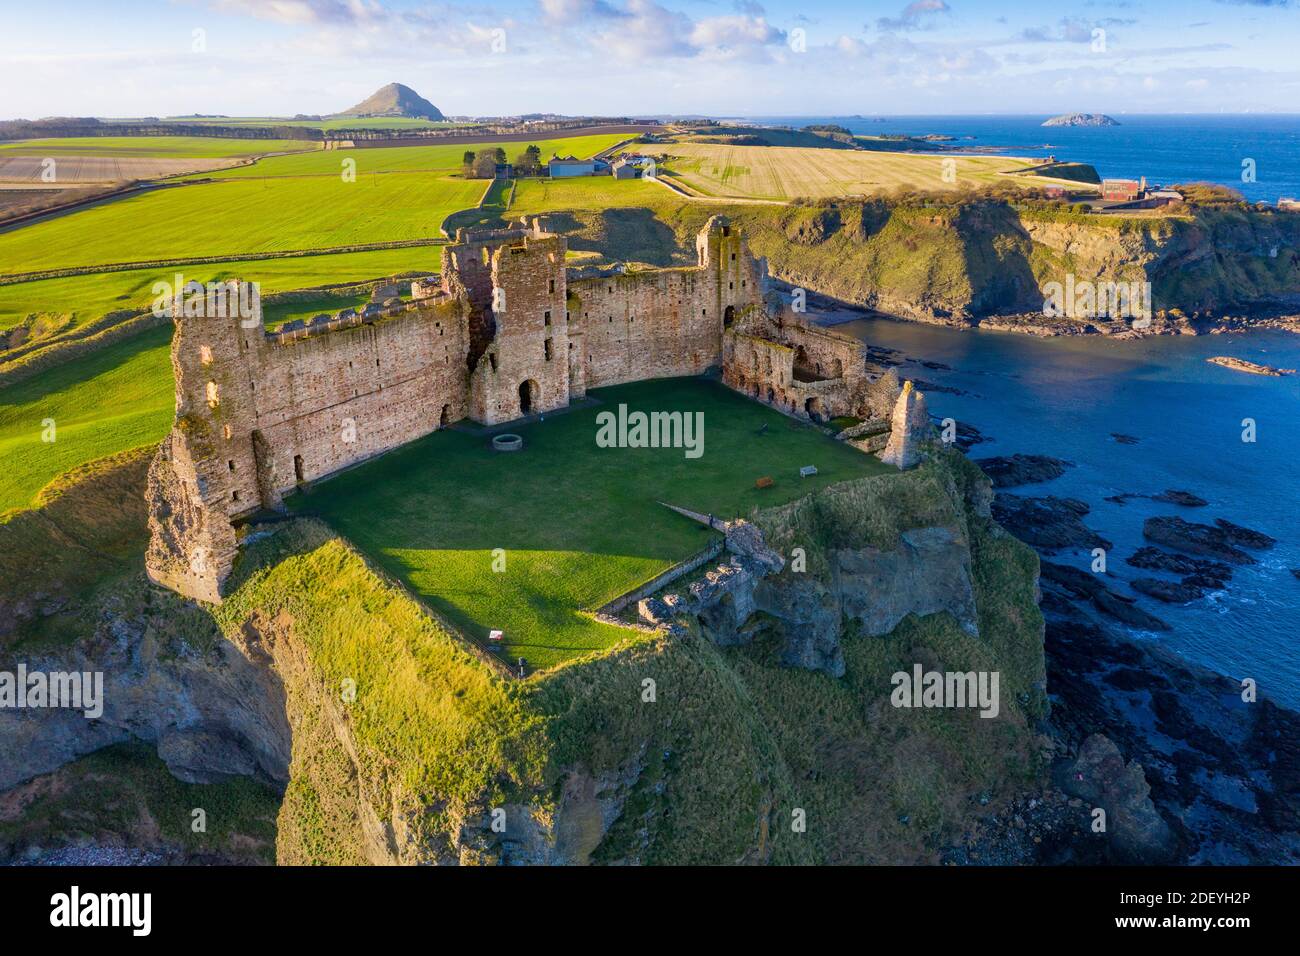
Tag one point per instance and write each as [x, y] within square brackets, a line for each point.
[579, 524]
[189, 147]
[229, 218]
[88, 297]
[116, 398]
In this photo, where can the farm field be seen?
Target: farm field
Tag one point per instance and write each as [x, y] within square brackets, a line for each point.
[759, 172]
[30, 168]
[87, 297]
[211, 147]
[368, 122]
[596, 192]
[579, 524]
[116, 398]
[225, 218]
[445, 158]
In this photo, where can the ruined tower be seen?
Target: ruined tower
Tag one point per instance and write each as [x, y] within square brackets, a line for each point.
[910, 428]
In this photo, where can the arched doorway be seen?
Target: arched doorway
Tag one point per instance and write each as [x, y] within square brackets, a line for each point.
[815, 409]
[527, 397]
[728, 316]
[445, 418]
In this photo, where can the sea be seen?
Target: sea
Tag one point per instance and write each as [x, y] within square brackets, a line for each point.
[1067, 396]
[1257, 154]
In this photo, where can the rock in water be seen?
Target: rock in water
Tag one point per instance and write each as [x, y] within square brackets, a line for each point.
[1049, 523]
[1173, 496]
[1171, 592]
[911, 428]
[1101, 777]
[1009, 471]
[1219, 542]
[1245, 537]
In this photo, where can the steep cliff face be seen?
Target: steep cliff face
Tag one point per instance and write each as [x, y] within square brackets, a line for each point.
[965, 262]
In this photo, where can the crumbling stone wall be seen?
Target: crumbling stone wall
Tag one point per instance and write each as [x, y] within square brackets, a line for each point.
[665, 323]
[777, 357]
[258, 413]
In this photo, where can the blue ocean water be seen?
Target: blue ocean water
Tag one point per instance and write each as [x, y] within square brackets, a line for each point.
[1165, 149]
[1065, 396]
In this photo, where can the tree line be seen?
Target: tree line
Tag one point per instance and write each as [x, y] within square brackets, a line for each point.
[483, 164]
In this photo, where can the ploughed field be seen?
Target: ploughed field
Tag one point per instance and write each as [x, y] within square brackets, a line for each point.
[98, 169]
[578, 524]
[198, 147]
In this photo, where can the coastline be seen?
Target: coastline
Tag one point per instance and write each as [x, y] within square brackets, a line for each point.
[1182, 746]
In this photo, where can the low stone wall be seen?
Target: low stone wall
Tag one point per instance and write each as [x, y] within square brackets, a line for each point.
[679, 570]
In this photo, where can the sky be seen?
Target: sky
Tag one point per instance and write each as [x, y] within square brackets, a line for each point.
[650, 57]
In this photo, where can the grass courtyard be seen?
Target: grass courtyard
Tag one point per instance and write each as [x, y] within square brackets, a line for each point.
[579, 525]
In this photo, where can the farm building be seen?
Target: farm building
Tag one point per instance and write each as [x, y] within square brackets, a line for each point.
[562, 167]
[625, 168]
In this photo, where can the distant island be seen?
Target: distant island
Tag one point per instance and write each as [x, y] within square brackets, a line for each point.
[1082, 119]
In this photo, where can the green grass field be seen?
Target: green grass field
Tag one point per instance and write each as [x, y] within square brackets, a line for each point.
[579, 524]
[445, 158]
[87, 297]
[115, 398]
[226, 218]
[194, 147]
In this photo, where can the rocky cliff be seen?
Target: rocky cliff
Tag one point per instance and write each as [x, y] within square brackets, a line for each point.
[973, 261]
[394, 743]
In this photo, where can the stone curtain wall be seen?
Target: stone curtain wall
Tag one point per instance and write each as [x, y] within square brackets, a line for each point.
[666, 322]
[337, 398]
[254, 415]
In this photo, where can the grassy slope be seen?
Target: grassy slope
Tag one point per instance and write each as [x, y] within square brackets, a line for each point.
[579, 525]
[181, 146]
[729, 748]
[116, 398]
[428, 719]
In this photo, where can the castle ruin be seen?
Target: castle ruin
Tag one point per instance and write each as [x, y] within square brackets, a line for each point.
[510, 332]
